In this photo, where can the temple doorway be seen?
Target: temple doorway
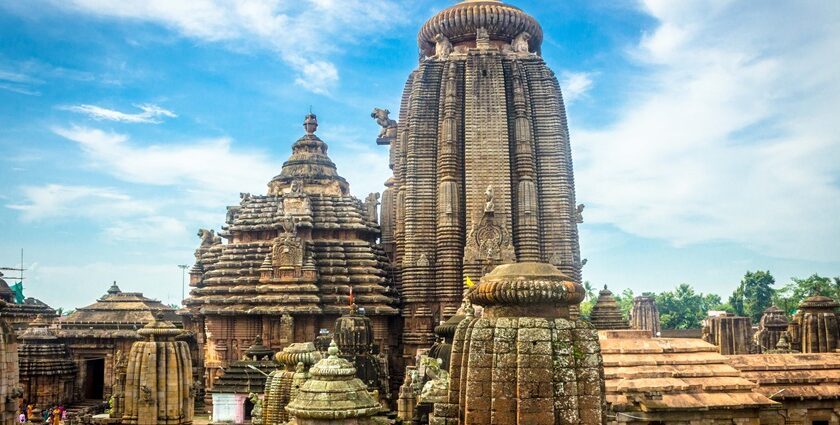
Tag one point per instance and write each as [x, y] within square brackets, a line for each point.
[248, 408]
[94, 379]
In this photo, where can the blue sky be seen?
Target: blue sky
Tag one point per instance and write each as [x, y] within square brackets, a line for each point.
[705, 134]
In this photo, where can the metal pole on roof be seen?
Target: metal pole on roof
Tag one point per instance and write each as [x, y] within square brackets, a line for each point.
[183, 268]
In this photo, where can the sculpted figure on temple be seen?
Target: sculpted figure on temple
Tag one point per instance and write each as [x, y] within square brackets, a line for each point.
[490, 205]
[443, 47]
[208, 237]
[482, 38]
[289, 224]
[521, 43]
[579, 213]
[389, 126]
[296, 187]
[371, 202]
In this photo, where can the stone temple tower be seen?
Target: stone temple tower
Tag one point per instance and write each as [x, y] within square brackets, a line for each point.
[481, 159]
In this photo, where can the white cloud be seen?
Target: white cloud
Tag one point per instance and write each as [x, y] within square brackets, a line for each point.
[575, 85]
[732, 136]
[56, 200]
[208, 167]
[146, 228]
[152, 114]
[303, 33]
[18, 82]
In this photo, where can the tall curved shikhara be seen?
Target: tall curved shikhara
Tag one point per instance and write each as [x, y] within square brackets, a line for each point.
[482, 162]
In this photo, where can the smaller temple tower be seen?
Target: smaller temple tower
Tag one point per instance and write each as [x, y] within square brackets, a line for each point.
[773, 325]
[354, 337]
[606, 314]
[645, 315]
[282, 386]
[524, 361]
[730, 333]
[159, 388]
[334, 396]
[814, 328]
[47, 372]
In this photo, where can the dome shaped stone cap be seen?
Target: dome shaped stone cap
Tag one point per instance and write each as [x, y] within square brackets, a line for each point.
[774, 317]
[299, 352]
[818, 302]
[460, 22]
[159, 327]
[522, 284]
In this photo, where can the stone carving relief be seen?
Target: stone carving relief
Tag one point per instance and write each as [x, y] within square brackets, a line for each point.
[443, 47]
[521, 43]
[371, 202]
[489, 196]
[422, 261]
[389, 126]
[146, 394]
[208, 238]
[488, 241]
[482, 39]
[579, 213]
[287, 252]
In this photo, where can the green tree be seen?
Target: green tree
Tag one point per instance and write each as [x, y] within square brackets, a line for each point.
[683, 308]
[589, 301]
[792, 294]
[625, 301]
[753, 295]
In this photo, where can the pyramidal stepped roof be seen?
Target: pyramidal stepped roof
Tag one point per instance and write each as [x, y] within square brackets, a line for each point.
[120, 308]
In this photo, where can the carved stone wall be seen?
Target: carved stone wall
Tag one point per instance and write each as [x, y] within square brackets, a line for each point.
[814, 328]
[9, 387]
[773, 325]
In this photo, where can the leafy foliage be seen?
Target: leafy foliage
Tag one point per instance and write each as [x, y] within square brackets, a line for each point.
[625, 302]
[753, 295]
[791, 295]
[683, 308]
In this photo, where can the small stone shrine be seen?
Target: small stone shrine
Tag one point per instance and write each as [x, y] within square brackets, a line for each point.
[159, 388]
[645, 315]
[606, 314]
[731, 334]
[47, 372]
[353, 335]
[282, 386]
[814, 328]
[771, 327]
[524, 361]
[231, 393]
[333, 395]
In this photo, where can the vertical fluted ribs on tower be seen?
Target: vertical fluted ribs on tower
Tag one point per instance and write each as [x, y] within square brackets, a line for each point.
[420, 201]
[555, 182]
[450, 225]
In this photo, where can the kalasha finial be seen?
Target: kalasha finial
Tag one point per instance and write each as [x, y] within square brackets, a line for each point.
[333, 350]
[310, 123]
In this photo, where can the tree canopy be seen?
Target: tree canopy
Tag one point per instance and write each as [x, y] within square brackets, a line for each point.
[791, 295]
[753, 295]
[683, 308]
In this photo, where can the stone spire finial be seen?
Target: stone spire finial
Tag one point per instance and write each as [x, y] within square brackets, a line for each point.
[310, 123]
[114, 289]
